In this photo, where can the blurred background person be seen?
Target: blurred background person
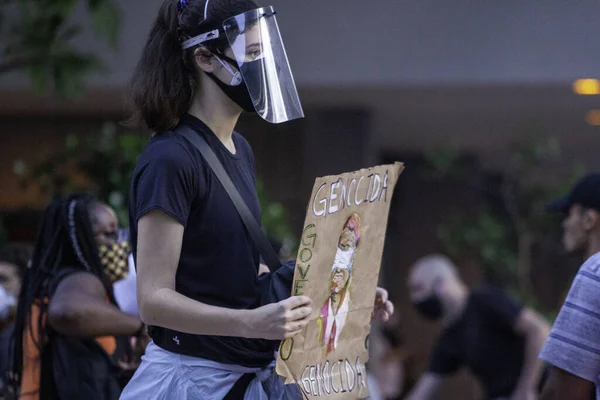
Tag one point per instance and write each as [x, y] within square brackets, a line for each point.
[116, 257]
[467, 100]
[573, 347]
[390, 364]
[125, 289]
[377, 348]
[105, 224]
[14, 259]
[484, 330]
[68, 324]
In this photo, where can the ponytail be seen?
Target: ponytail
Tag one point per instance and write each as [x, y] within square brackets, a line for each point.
[165, 79]
[163, 84]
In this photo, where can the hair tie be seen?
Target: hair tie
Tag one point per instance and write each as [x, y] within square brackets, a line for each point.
[181, 5]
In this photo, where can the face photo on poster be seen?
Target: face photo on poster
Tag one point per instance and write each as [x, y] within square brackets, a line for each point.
[334, 311]
[338, 266]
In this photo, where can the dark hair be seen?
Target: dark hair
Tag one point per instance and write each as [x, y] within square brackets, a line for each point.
[165, 79]
[17, 254]
[65, 239]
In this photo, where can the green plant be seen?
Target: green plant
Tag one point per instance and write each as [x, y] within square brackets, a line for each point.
[274, 222]
[485, 236]
[443, 162]
[37, 38]
[101, 164]
[502, 234]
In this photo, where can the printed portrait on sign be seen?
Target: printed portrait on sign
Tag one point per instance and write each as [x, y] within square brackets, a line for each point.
[337, 266]
[334, 311]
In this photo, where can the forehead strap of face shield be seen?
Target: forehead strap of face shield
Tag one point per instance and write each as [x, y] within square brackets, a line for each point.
[215, 32]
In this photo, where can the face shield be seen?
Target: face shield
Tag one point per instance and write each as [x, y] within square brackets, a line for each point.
[258, 50]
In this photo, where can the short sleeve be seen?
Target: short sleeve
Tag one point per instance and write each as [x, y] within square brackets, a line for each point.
[165, 180]
[248, 153]
[498, 307]
[445, 360]
[574, 341]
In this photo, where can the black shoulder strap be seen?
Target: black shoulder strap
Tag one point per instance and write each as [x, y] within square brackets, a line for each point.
[256, 233]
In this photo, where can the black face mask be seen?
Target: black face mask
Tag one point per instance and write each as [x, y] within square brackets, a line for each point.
[238, 94]
[430, 307]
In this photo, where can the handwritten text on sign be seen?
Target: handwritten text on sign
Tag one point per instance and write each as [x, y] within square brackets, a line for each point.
[337, 267]
[349, 192]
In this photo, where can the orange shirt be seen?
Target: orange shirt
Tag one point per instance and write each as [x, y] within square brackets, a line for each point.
[31, 375]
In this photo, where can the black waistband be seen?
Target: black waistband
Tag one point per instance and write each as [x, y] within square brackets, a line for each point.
[252, 353]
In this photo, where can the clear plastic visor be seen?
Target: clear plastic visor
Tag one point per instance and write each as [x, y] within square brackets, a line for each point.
[258, 49]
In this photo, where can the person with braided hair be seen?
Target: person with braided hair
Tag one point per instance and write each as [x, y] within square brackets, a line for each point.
[68, 325]
[14, 259]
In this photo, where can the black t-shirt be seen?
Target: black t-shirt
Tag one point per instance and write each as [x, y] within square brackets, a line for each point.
[218, 263]
[484, 340]
[5, 352]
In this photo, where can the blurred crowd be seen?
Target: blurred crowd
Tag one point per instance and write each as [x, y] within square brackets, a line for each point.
[70, 327]
[509, 348]
[93, 311]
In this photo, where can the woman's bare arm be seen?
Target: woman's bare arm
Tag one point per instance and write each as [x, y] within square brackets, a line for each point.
[79, 308]
[159, 246]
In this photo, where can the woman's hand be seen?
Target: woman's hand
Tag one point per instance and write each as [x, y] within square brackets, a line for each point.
[281, 320]
[383, 309]
[139, 344]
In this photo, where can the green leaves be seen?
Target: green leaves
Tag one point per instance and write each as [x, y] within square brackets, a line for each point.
[534, 150]
[444, 162]
[72, 143]
[274, 221]
[485, 236]
[69, 71]
[38, 76]
[502, 234]
[106, 20]
[38, 41]
[101, 163]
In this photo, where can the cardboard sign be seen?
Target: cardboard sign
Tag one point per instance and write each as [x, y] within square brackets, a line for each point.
[338, 267]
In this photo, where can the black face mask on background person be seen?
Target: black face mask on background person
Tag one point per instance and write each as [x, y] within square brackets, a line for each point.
[430, 307]
[238, 94]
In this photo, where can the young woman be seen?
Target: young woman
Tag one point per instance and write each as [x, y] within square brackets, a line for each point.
[204, 62]
[68, 327]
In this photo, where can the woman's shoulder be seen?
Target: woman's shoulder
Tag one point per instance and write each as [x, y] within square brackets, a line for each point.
[244, 148]
[167, 144]
[166, 148]
[75, 273]
[241, 140]
[73, 277]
